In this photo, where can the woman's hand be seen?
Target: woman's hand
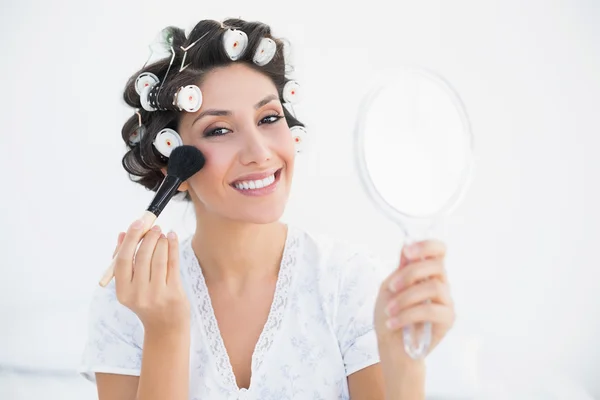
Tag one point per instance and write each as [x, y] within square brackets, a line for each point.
[148, 282]
[403, 296]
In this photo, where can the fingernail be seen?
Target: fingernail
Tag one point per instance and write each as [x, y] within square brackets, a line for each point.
[156, 228]
[391, 308]
[162, 236]
[412, 251]
[392, 324]
[172, 235]
[395, 284]
[137, 224]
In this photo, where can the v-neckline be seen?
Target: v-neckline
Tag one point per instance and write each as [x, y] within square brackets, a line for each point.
[208, 320]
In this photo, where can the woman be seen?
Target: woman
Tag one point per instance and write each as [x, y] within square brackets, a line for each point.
[247, 307]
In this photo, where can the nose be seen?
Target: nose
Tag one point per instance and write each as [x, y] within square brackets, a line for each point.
[256, 148]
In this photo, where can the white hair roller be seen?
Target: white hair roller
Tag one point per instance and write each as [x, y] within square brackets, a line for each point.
[299, 135]
[166, 141]
[265, 52]
[235, 43]
[291, 92]
[188, 98]
[145, 98]
[137, 135]
[144, 80]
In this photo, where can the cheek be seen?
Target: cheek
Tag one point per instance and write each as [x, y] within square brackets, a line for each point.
[285, 145]
[212, 175]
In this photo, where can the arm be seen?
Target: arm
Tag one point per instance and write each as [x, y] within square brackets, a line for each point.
[140, 338]
[414, 293]
[381, 382]
[112, 358]
[116, 387]
[360, 278]
[367, 384]
[376, 365]
[164, 375]
[404, 379]
[165, 367]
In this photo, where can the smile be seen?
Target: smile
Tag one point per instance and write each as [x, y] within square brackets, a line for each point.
[258, 187]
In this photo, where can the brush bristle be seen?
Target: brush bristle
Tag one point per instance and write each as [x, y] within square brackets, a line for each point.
[185, 161]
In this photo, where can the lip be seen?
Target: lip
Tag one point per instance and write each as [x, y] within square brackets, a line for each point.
[255, 176]
[264, 191]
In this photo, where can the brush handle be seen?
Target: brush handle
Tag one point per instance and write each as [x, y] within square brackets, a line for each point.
[149, 218]
[164, 193]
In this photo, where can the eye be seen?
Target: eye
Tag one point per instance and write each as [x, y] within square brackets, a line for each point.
[271, 119]
[217, 132]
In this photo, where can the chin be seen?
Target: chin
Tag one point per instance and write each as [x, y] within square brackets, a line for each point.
[262, 215]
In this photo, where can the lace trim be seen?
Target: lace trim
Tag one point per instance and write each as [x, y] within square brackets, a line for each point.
[280, 298]
[274, 320]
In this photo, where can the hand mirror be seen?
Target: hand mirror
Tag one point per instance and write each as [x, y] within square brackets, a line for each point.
[414, 153]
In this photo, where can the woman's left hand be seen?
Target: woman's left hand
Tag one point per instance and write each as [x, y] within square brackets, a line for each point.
[403, 296]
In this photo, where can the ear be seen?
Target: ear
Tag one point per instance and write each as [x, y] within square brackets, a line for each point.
[184, 187]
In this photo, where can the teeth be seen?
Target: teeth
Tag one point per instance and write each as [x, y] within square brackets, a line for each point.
[245, 185]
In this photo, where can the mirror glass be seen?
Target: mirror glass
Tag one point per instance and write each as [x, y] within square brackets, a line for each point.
[415, 144]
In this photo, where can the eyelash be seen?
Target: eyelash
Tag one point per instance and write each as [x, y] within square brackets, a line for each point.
[274, 119]
[276, 116]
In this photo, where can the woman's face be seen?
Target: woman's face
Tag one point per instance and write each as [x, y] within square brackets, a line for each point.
[242, 132]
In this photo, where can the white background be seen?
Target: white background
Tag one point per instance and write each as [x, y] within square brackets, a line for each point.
[522, 247]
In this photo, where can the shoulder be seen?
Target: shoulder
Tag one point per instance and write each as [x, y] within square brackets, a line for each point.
[115, 337]
[338, 255]
[106, 312]
[353, 279]
[348, 268]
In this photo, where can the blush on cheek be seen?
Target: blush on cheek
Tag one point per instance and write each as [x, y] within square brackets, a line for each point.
[285, 144]
[220, 159]
[217, 159]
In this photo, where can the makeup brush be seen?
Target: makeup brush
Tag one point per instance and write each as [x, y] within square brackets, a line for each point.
[184, 162]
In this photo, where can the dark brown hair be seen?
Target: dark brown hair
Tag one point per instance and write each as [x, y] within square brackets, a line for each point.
[142, 161]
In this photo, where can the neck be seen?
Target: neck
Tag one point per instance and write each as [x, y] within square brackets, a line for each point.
[236, 253]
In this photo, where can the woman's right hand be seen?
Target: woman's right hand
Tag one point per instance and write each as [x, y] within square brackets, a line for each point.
[148, 282]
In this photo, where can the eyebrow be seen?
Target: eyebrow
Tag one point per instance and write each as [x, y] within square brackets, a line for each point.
[224, 113]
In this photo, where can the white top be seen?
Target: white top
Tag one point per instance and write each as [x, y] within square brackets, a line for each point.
[319, 329]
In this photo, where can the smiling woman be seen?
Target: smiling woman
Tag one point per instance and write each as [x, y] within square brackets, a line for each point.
[245, 136]
[247, 307]
[201, 54]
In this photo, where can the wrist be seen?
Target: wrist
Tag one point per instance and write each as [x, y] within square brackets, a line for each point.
[169, 334]
[404, 377]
